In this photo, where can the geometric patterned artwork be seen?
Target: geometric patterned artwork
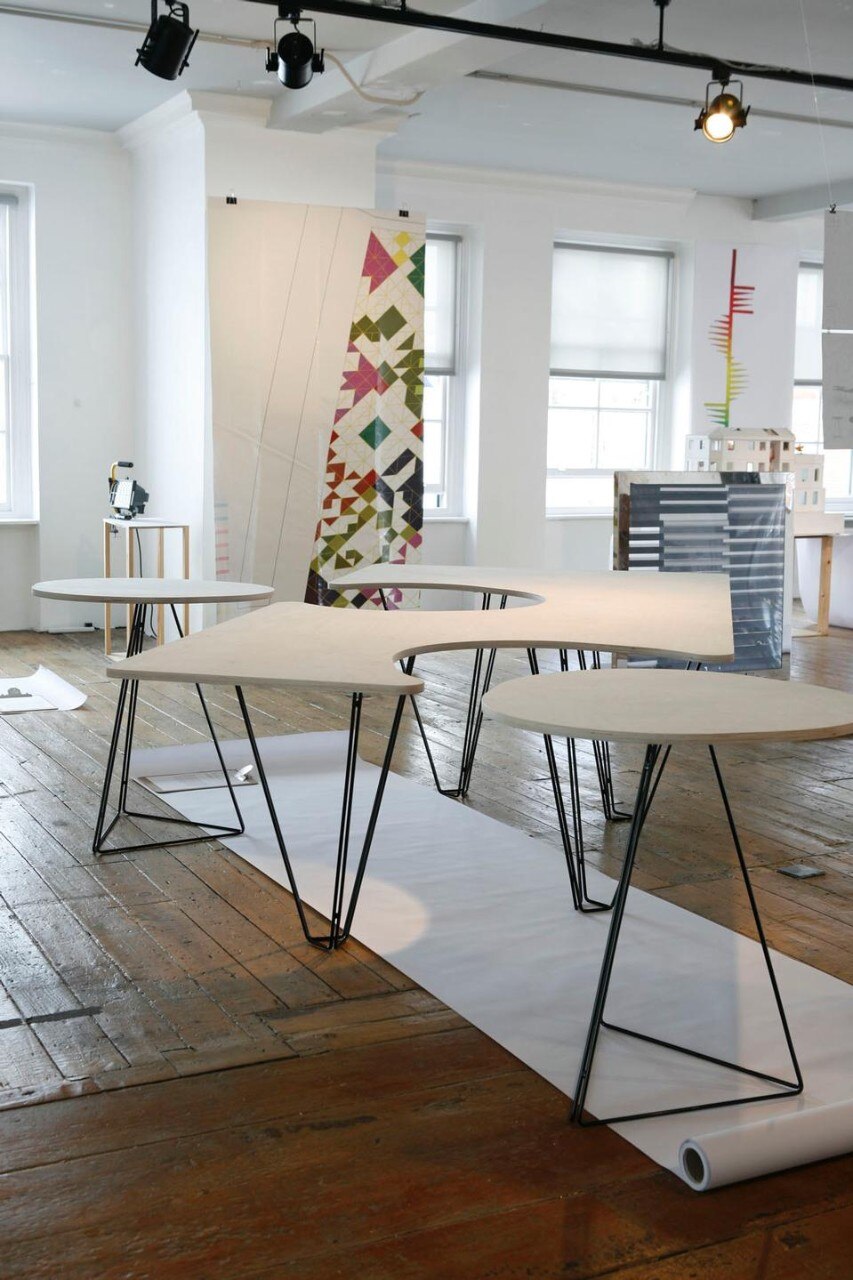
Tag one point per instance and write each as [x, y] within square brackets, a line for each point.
[737, 525]
[744, 322]
[722, 337]
[316, 341]
[372, 505]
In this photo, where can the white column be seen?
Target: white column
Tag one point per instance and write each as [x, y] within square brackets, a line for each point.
[514, 350]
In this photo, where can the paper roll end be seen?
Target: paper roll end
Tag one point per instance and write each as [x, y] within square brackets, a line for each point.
[693, 1165]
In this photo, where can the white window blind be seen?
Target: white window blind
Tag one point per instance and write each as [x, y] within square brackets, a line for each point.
[440, 304]
[807, 348]
[609, 312]
[7, 445]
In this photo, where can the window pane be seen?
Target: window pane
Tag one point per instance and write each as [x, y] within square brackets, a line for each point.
[807, 352]
[4, 280]
[574, 393]
[806, 420]
[596, 425]
[622, 438]
[622, 393]
[435, 432]
[609, 311]
[440, 305]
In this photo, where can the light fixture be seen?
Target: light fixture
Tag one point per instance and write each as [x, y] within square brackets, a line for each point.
[723, 113]
[295, 60]
[168, 41]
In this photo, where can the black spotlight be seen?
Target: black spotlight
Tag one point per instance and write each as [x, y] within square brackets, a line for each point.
[295, 61]
[168, 42]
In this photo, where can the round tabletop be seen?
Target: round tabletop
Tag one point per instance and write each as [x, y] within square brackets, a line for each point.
[650, 706]
[151, 590]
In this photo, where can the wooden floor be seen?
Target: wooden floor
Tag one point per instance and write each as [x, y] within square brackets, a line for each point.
[188, 1089]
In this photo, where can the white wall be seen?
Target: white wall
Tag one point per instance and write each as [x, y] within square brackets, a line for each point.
[510, 222]
[166, 149]
[81, 194]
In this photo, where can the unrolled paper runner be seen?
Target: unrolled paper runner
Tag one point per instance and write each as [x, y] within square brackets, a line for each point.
[766, 1146]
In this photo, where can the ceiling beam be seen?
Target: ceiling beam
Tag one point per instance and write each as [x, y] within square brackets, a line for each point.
[803, 201]
[414, 61]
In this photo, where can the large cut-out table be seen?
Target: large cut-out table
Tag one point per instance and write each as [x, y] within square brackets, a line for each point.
[357, 651]
[660, 709]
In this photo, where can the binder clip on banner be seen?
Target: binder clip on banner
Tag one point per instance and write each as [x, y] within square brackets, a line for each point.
[127, 497]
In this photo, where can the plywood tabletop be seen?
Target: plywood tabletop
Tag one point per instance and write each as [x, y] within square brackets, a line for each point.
[650, 706]
[151, 590]
[684, 615]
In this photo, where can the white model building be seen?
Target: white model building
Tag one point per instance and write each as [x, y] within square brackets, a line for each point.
[761, 449]
[741, 449]
[809, 493]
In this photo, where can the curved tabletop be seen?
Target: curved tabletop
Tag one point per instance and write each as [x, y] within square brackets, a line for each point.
[670, 706]
[531, 584]
[151, 590]
[301, 645]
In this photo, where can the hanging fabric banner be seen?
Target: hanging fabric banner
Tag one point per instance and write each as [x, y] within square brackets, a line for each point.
[316, 342]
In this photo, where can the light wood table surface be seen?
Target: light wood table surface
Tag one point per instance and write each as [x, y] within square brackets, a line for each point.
[159, 591]
[671, 706]
[679, 614]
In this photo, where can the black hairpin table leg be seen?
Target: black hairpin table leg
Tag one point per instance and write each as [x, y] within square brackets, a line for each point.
[342, 912]
[480, 683]
[573, 843]
[784, 1088]
[600, 750]
[127, 700]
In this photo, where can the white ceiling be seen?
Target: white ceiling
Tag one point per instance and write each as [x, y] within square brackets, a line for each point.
[55, 73]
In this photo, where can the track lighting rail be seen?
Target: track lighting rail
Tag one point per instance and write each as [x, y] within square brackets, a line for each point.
[720, 68]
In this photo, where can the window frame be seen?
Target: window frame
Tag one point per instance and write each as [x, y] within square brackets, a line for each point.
[21, 434]
[453, 454]
[841, 502]
[657, 431]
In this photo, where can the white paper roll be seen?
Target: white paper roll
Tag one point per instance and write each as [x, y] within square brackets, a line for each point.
[766, 1146]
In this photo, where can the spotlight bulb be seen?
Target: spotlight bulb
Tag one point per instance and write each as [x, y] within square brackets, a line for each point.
[722, 114]
[168, 42]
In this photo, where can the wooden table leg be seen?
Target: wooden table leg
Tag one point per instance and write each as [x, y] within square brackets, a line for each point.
[108, 620]
[825, 585]
[161, 573]
[186, 539]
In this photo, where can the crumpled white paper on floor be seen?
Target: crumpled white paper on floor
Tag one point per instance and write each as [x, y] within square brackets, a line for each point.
[43, 691]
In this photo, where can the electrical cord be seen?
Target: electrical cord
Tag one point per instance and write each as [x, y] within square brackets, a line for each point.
[375, 98]
[152, 629]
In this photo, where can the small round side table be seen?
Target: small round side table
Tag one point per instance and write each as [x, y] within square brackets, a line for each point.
[661, 709]
[142, 595]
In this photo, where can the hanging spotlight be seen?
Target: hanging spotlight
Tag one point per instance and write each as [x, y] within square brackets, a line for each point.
[168, 42]
[722, 114]
[295, 60]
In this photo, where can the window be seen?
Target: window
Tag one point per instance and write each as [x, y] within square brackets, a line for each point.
[807, 415]
[608, 358]
[442, 392]
[16, 487]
